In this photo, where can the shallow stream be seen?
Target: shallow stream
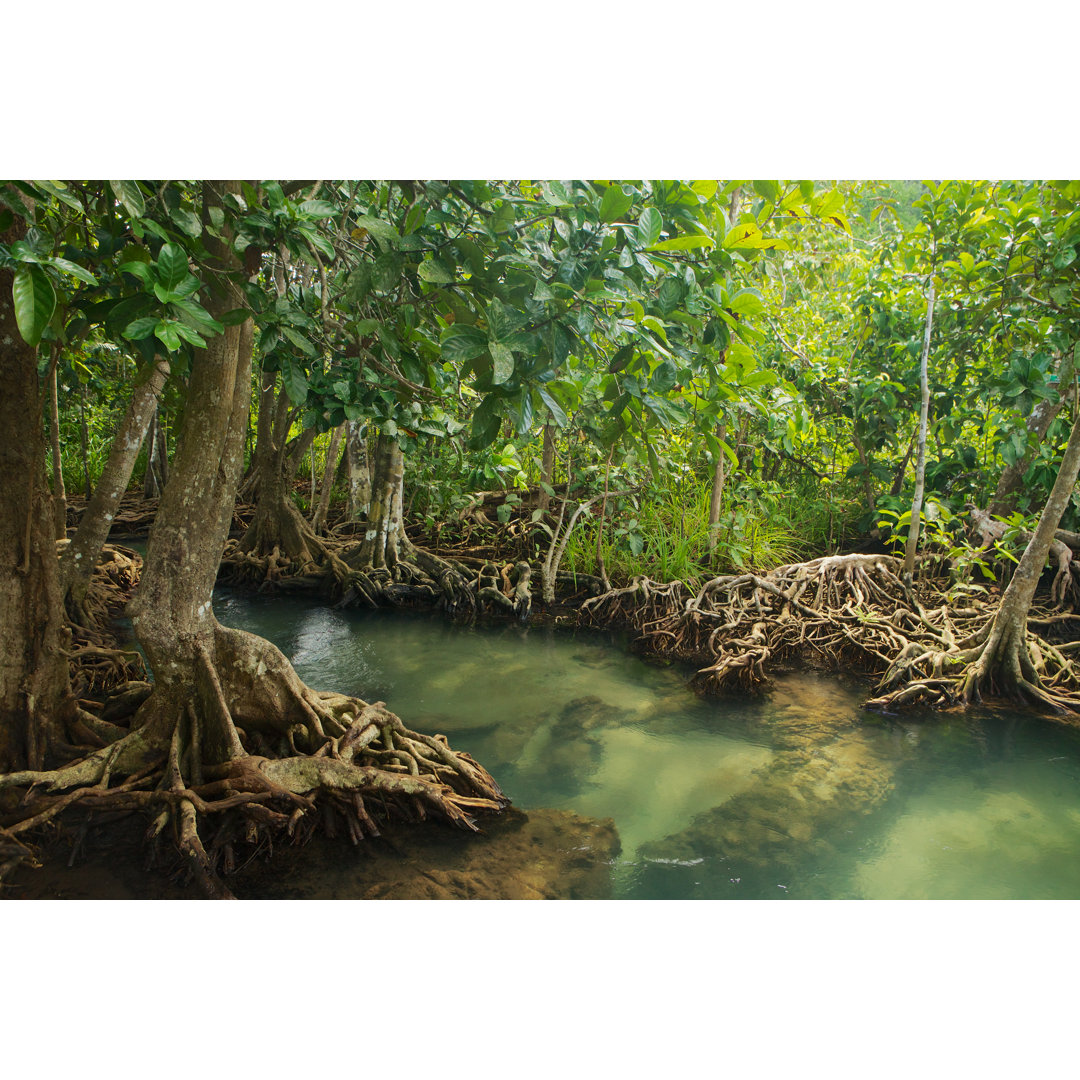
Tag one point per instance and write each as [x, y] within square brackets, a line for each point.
[794, 793]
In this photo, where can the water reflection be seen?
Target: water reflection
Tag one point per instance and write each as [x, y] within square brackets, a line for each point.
[797, 794]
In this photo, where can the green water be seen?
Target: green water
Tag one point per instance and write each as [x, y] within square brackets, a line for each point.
[796, 793]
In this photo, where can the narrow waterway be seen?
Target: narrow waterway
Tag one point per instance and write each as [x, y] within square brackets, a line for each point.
[795, 793]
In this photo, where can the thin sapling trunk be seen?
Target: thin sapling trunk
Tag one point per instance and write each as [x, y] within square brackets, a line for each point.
[920, 466]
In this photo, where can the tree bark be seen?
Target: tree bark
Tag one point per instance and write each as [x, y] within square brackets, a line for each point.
[34, 684]
[359, 474]
[920, 462]
[161, 454]
[151, 487]
[547, 467]
[1004, 659]
[716, 496]
[278, 523]
[318, 522]
[385, 535]
[59, 495]
[79, 559]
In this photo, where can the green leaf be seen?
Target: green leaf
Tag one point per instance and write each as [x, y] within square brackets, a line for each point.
[746, 302]
[317, 208]
[768, 190]
[502, 363]
[73, 269]
[556, 410]
[745, 235]
[386, 272]
[503, 320]
[35, 301]
[705, 188]
[186, 221]
[195, 312]
[554, 192]
[129, 195]
[435, 272]
[649, 226]
[166, 333]
[136, 269]
[663, 378]
[140, 328]
[621, 358]
[502, 220]
[614, 204]
[300, 341]
[189, 335]
[683, 243]
[485, 423]
[383, 231]
[172, 266]
[462, 343]
[573, 272]
[295, 382]
[235, 317]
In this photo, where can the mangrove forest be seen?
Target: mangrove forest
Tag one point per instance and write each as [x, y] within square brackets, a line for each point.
[696, 522]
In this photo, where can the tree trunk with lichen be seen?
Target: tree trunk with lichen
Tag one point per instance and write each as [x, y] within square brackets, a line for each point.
[79, 558]
[33, 669]
[384, 538]
[359, 476]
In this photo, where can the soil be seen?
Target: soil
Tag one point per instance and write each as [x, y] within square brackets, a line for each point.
[541, 855]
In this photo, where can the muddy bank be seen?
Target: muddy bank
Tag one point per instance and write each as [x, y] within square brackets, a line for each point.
[541, 855]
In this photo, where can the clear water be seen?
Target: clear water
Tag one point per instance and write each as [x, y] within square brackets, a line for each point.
[796, 793]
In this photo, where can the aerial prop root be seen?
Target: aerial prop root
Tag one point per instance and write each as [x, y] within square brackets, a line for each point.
[1019, 665]
[250, 750]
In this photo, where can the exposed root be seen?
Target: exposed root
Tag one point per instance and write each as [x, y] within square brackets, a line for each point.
[96, 665]
[415, 578]
[844, 610]
[245, 751]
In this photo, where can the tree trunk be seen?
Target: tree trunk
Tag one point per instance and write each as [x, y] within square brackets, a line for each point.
[151, 487]
[278, 529]
[1004, 660]
[547, 467]
[295, 451]
[385, 535]
[161, 454]
[920, 465]
[228, 726]
[716, 497]
[318, 522]
[34, 681]
[79, 559]
[59, 495]
[359, 478]
[1042, 416]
